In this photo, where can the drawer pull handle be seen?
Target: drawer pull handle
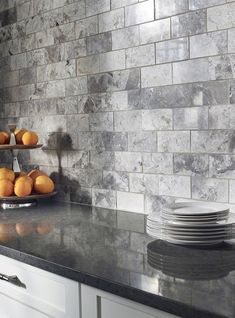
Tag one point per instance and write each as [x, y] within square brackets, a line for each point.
[12, 280]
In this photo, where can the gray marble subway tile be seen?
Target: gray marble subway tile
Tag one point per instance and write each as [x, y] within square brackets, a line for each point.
[20, 93]
[176, 186]
[214, 141]
[116, 180]
[101, 121]
[54, 18]
[44, 38]
[208, 44]
[104, 198]
[132, 202]
[88, 65]
[25, 10]
[157, 119]
[86, 27]
[80, 195]
[41, 6]
[123, 119]
[222, 166]
[158, 163]
[145, 141]
[222, 67]
[10, 79]
[188, 24]
[55, 71]
[155, 31]
[117, 141]
[28, 75]
[18, 61]
[76, 86]
[140, 56]
[232, 191]
[221, 17]
[74, 49]
[78, 159]
[169, 8]
[154, 203]
[99, 43]
[199, 4]
[77, 123]
[34, 24]
[172, 50]
[191, 118]
[215, 92]
[102, 160]
[114, 81]
[222, 117]
[158, 75]
[174, 141]
[64, 33]
[54, 54]
[231, 40]
[232, 92]
[125, 38]
[47, 124]
[139, 13]
[121, 3]
[144, 183]
[128, 161]
[209, 189]
[94, 7]
[74, 11]
[191, 71]
[82, 177]
[191, 164]
[106, 102]
[111, 20]
[67, 106]
[112, 61]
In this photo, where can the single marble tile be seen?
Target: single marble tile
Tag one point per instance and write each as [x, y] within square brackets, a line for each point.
[191, 164]
[81, 177]
[128, 161]
[112, 61]
[74, 11]
[64, 33]
[117, 141]
[155, 31]
[221, 67]
[158, 163]
[74, 49]
[222, 166]
[44, 38]
[80, 195]
[28, 75]
[18, 61]
[94, 7]
[86, 27]
[111, 20]
[25, 10]
[221, 17]
[144, 183]
[49, 89]
[78, 122]
[178, 186]
[139, 13]
[116, 180]
[188, 24]
[78, 159]
[55, 71]
[34, 24]
[215, 93]
[88, 65]
[125, 38]
[169, 8]
[140, 56]
[174, 141]
[199, 4]
[101, 121]
[157, 119]
[158, 75]
[123, 119]
[222, 117]
[76, 86]
[11, 79]
[121, 3]
[172, 50]
[99, 43]
[131, 202]
[104, 198]
[145, 141]
[191, 118]
[209, 189]
[102, 160]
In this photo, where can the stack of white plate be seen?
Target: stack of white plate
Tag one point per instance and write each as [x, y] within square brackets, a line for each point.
[193, 223]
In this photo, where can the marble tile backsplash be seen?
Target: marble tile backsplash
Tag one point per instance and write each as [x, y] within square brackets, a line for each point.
[133, 100]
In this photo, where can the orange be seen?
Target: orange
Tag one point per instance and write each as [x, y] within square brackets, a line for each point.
[24, 179]
[6, 188]
[19, 134]
[23, 188]
[43, 185]
[7, 137]
[20, 174]
[8, 174]
[2, 138]
[35, 173]
[24, 229]
[30, 138]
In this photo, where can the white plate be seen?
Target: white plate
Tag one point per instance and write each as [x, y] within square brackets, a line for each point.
[196, 208]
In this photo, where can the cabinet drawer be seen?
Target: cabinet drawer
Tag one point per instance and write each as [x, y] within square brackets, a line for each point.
[46, 292]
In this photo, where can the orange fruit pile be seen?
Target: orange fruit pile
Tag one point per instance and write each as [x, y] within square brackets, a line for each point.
[25, 137]
[23, 184]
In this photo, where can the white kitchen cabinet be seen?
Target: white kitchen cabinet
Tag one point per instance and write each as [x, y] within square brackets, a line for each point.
[45, 295]
[98, 304]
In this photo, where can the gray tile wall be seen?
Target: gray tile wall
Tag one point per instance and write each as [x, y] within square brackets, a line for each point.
[134, 100]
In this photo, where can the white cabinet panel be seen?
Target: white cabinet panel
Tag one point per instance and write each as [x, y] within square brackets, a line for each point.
[48, 294]
[98, 304]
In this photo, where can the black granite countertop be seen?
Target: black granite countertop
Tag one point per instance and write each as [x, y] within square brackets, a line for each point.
[108, 250]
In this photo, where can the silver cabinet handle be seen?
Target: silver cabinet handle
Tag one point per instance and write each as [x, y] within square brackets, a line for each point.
[12, 280]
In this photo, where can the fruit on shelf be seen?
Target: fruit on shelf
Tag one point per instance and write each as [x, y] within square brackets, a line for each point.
[30, 138]
[33, 174]
[19, 134]
[7, 174]
[43, 185]
[6, 188]
[24, 179]
[4, 138]
[23, 188]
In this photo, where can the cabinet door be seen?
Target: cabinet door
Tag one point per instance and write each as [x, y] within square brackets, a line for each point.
[99, 304]
[45, 294]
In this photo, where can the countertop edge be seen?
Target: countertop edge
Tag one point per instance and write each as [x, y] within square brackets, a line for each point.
[131, 293]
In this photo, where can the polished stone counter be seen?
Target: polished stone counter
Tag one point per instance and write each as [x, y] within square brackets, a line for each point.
[109, 250]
